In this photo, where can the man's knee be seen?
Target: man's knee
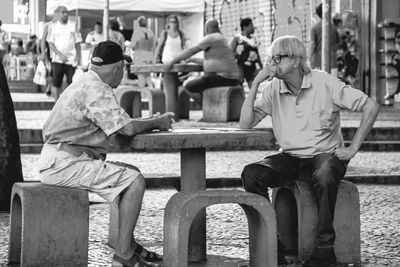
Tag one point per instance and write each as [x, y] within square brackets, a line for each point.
[251, 177]
[138, 184]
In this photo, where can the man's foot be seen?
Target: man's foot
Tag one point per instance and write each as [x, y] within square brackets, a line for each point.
[146, 254]
[322, 257]
[134, 261]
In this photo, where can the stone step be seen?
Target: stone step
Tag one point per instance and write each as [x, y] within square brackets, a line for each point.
[23, 86]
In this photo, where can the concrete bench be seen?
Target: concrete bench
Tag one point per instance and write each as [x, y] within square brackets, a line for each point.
[221, 104]
[183, 207]
[297, 216]
[130, 99]
[49, 226]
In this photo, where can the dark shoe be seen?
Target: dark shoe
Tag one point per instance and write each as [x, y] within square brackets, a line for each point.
[281, 253]
[322, 257]
[147, 255]
[135, 261]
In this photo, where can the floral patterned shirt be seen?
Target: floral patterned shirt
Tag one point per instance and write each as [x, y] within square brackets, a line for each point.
[85, 116]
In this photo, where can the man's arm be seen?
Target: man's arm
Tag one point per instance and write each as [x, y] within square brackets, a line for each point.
[78, 53]
[247, 118]
[57, 52]
[182, 56]
[161, 122]
[370, 111]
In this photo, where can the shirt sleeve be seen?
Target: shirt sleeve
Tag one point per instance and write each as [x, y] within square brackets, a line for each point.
[106, 113]
[262, 105]
[345, 96]
[205, 42]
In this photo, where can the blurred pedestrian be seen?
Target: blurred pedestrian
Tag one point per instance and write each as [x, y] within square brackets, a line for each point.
[64, 40]
[4, 42]
[115, 35]
[171, 41]
[316, 43]
[244, 45]
[96, 36]
[142, 42]
[219, 64]
[305, 106]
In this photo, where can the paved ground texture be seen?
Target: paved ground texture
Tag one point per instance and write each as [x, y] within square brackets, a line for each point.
[227, 229]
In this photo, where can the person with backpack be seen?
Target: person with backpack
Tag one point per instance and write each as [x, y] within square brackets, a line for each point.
[171, 41]
[244, 45]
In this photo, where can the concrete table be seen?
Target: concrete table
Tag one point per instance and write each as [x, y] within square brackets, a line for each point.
[170, 81]
[192, 144]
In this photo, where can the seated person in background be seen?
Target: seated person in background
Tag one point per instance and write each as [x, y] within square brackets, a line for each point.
[220, 68]
[96, 36]
[77, 138]
[245, 48]
[304, 105]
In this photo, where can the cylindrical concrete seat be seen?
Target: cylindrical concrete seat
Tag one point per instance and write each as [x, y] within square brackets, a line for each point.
[221, 104]
[49, 226]
[297, 218]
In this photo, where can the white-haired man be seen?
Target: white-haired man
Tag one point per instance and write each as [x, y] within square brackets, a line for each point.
[77, 136]
[304, 105]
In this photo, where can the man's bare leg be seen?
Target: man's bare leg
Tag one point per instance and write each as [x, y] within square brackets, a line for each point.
[129, 209]
[55, 92]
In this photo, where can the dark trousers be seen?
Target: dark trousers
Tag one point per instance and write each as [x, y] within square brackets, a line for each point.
[59, 69]
[323, 171]
[198, 85]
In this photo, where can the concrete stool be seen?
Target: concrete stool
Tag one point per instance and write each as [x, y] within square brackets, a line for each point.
[130, 100]
[182, 208]
[221, 104]
[49, 226]
[297, 216]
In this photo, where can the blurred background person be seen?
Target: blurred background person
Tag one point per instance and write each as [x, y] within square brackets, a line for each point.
[64, 41]
[96, 36]
[115, 35]
[143, 43]
[244, 46]
[171, 41]
[316, 43]
[4, 41]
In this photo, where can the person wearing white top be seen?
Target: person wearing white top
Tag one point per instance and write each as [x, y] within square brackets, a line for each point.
[64, 41]
[96, 36]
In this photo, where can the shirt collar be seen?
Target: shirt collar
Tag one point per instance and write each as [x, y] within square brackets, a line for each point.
[97, 77]
[306, 83]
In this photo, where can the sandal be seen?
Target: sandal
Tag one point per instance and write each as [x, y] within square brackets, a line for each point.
[135, 261]
[147, 255]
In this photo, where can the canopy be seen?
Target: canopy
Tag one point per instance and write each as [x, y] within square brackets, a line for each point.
[124, 7]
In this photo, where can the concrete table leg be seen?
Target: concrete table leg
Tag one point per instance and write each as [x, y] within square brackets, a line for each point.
[193, 178]
[171, 83]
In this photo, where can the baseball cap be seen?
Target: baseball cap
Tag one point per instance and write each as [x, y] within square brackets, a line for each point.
[108, 52]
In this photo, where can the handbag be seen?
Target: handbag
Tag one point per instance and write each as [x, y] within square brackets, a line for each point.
[40, 74]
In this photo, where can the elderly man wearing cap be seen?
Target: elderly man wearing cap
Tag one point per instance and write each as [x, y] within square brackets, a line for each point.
[77, 136]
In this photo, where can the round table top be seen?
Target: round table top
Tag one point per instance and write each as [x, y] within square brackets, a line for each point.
[145, 68]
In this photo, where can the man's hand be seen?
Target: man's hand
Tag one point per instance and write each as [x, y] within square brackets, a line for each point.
[267, 73]
[344, 153]
[168, 65]
[63, 58]
[165, 120]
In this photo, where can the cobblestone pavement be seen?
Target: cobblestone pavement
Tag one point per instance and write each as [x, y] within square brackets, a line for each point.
[227, 233]
[227, 230]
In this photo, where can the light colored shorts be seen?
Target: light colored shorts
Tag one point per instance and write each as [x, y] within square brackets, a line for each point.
[107, 179]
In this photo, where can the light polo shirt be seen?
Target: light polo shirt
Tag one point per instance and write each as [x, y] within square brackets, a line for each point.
[308, 124]
[85, 115]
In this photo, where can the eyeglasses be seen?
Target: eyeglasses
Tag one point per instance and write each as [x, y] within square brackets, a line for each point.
[173, 21]
[278, 58]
